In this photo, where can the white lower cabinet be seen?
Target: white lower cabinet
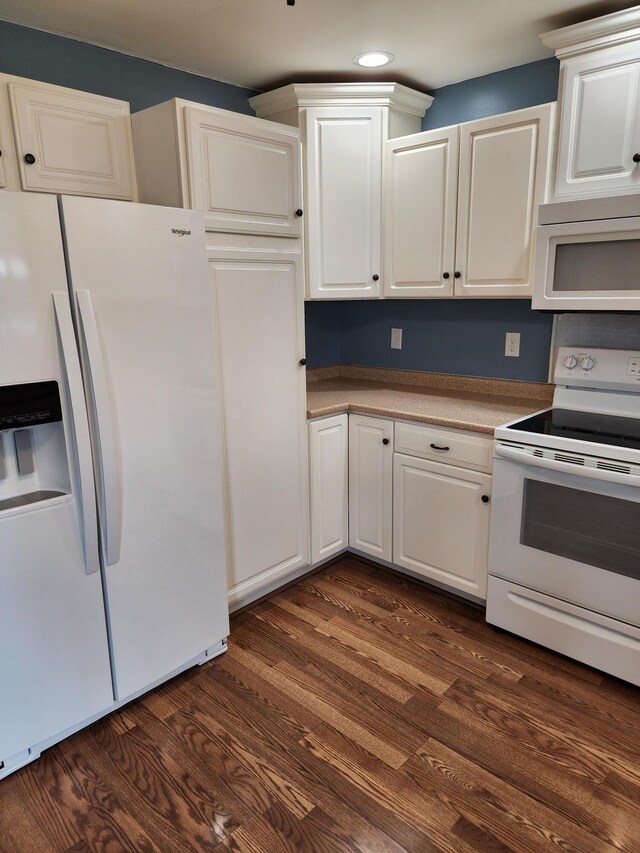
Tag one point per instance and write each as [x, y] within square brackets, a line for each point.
[441, 522]
[258, 299]
[370, 485]
[419, 497]
[329, 486]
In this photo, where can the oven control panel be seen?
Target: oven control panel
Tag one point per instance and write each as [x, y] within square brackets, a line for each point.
[598, 368]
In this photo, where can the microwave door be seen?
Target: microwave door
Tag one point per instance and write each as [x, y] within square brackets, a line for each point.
[588, 266]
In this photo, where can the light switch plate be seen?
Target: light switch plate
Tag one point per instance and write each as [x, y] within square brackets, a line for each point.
[396, 338]
[512, 344]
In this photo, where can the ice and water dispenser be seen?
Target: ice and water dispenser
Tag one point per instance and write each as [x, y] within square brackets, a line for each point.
[33, 455]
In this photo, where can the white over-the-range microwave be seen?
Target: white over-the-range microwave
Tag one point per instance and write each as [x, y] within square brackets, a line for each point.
[588, 255]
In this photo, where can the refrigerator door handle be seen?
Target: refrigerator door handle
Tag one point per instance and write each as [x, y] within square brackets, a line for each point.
[105, 445]
[82, 444]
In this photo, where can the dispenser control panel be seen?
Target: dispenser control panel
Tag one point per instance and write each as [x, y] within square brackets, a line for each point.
[29, 404]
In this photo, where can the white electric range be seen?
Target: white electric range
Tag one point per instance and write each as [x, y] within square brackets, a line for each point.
[564, 554]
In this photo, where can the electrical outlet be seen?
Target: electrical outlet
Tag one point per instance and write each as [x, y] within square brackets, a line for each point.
[396, 338]
[512, 344]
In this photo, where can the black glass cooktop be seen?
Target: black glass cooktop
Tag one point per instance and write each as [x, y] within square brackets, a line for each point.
[584, 426]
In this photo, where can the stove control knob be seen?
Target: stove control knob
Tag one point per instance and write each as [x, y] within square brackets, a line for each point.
[570, 361]
[587, 363]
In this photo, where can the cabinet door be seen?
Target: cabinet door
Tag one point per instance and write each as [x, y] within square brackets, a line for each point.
[329, 486]
[503, 178]
[260, 331]
[441, 523]
[343, 192]
[421, 190]
[370, 480]
[599, 130]
[244, 173]
[78, 143]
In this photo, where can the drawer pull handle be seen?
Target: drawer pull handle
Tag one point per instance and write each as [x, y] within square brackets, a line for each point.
[439, 447]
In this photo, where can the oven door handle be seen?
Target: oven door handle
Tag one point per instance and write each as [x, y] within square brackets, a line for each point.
[524, 458]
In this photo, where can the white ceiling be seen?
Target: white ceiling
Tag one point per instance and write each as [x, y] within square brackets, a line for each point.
[262, 43]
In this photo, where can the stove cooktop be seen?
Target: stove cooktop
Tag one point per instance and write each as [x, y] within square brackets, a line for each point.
[583, 426]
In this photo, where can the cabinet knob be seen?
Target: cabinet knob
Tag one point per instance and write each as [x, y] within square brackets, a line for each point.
[29, 159]
[299, 212]
[439, 447]
[303, 361]
[485, 499]
[636, 158]
[445, 275]
[457, 274]
[385, 441]
[375, 277]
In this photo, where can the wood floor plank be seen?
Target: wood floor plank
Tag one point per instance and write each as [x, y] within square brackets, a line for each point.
[323, 783]
[533, 774]
[160, 792]
[562, 744]
[423, 810]
[357, 711]
[515, 819]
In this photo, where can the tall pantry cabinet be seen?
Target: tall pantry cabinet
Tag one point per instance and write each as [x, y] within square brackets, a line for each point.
[244, 174]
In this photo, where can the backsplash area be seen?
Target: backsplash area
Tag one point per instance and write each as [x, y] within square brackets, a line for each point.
[441, 336]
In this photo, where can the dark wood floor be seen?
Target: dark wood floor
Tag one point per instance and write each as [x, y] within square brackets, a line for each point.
[356, 711]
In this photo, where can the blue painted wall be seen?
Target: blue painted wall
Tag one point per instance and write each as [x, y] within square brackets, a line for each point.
[441, 335]
[448, 336]
[322, 333]
[513, 89]
[65, 62]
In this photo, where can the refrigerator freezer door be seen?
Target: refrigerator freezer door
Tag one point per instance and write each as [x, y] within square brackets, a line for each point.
[54, 660]
[148, 312]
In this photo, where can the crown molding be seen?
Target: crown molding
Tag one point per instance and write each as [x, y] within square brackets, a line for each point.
[608, 30]
[301, 95]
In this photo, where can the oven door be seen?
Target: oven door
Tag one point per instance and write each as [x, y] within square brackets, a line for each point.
[588, 266]
[568, 532]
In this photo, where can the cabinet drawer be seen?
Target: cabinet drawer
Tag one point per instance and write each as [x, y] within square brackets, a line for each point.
[445, 445]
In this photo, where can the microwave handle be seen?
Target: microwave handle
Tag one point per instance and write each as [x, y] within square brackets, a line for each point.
[523, 458]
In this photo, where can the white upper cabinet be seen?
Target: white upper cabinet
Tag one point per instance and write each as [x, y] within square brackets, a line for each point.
[503, 178]
[421, 191]
[460, 206]
[599, 107]
[244, 173]
[344, 127]
[343, 157]
[65, 141]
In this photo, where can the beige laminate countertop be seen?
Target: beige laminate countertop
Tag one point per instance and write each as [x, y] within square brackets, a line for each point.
[460, 402]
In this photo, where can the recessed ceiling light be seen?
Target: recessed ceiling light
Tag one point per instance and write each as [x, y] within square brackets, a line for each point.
[373, 59]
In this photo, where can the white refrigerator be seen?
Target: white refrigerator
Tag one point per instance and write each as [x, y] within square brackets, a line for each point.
[112, 553]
